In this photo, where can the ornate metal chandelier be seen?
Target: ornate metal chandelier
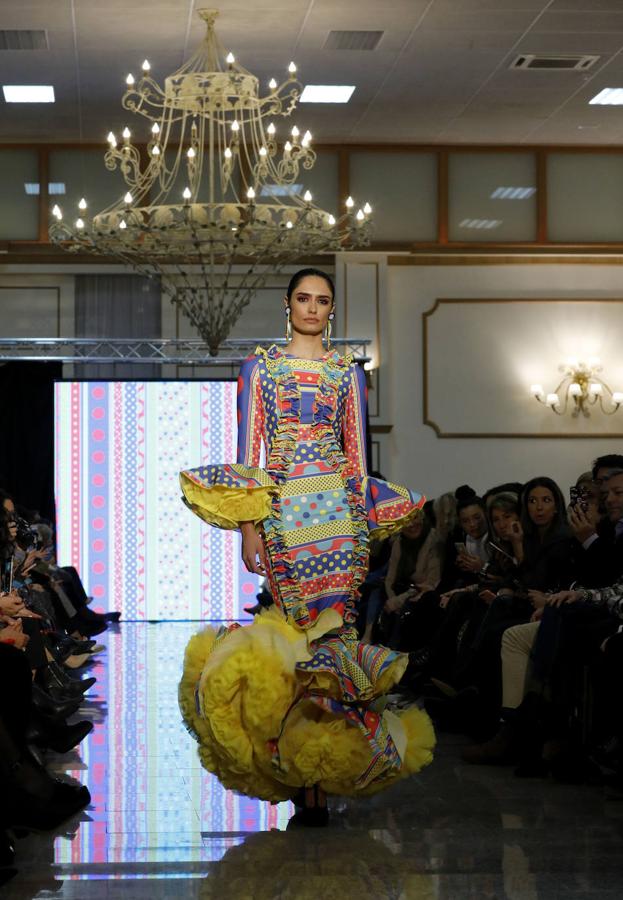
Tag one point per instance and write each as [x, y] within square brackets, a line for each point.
[211, 189]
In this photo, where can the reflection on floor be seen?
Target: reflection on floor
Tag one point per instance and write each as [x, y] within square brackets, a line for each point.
[160, 826]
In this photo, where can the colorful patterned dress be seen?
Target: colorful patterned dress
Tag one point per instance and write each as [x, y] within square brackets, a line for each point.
[294, 698]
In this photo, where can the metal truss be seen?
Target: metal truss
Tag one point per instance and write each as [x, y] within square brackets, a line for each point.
[163, 352]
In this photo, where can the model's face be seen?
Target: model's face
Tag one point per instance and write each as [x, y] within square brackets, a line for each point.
[310, 305]
[612, 493]
[473, 522]
[502, 521]
[541, 506]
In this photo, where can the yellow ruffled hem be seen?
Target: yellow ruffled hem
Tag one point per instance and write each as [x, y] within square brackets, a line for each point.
[237, 693]
[227, 507]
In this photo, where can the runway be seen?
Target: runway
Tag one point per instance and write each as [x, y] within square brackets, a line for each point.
[161, 827]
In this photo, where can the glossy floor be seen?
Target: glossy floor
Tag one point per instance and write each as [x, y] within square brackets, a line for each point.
[159, 826]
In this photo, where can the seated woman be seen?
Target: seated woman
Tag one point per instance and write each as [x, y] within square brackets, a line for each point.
[542, 543]
[544, 549]
[414, 569]
[439, 617]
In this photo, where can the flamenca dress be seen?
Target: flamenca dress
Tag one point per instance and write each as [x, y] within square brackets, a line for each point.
[294, 698]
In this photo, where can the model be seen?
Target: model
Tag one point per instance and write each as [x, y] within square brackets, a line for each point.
[292, 706]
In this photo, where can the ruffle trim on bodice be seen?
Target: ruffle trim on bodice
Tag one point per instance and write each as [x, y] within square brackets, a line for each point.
[280, 458]
[226, 495]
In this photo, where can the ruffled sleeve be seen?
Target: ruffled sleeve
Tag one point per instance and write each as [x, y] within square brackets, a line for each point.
[229, 494]
[390, 507]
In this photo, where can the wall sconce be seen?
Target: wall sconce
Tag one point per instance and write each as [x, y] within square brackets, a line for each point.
[581, 387]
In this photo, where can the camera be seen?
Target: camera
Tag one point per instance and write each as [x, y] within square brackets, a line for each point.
[27, 537]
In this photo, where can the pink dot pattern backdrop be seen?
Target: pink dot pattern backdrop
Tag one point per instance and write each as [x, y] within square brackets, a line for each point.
[119, 446]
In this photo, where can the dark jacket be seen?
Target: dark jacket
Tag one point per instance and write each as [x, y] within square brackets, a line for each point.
[601, 564]
[549, 564]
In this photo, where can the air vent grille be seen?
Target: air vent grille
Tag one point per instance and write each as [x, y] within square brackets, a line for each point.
[568, 63]
[23, 39]
[353, 40]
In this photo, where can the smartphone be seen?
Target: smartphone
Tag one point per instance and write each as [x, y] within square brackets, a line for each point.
[460, 547]
[579, 497]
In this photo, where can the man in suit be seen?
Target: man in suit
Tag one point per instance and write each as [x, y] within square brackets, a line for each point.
[600, 532]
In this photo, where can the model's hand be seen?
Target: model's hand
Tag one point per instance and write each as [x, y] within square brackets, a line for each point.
[253, 551]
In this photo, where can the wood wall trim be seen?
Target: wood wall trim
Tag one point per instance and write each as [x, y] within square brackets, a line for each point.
[499, 259]
[503, 435]
[442, 197]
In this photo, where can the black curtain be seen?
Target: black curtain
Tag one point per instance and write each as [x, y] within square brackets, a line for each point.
[27, 433]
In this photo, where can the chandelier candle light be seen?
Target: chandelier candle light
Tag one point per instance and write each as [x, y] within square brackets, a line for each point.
[193, 209]
[581, 387]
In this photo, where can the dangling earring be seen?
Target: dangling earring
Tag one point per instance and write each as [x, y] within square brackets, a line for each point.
[327, 332]
[288, 325]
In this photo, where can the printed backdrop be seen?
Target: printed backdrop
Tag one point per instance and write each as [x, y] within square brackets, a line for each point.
[120, 519]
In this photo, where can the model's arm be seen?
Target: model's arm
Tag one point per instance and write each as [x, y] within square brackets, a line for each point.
[355, 422]
[250, 416]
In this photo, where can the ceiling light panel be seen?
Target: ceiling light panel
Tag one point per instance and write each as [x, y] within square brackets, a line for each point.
[23, 39]
[487, 224]
[327, 93]
[608, 97]
[353, 40]
[28, 93]
[513, 193]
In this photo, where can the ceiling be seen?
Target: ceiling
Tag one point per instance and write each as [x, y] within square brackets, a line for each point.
[440, 73]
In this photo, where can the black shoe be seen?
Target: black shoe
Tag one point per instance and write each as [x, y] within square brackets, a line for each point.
[89, 629]
[113, 616]
[7, 850]
[315, 816]
[44, 703]
[68, 646]
[253, 610]
[33, 799]
[59, 737]
[60, 688]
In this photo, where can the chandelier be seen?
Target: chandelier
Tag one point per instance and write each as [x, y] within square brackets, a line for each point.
[581, 388]
[214, 204]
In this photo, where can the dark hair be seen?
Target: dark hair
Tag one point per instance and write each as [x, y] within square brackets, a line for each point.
[559, 520]
[307, 273]
[467, 496]
[5, 518]
[610, 461]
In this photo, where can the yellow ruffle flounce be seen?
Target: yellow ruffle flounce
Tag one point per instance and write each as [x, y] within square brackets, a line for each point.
[236, 694]
[226, 506]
